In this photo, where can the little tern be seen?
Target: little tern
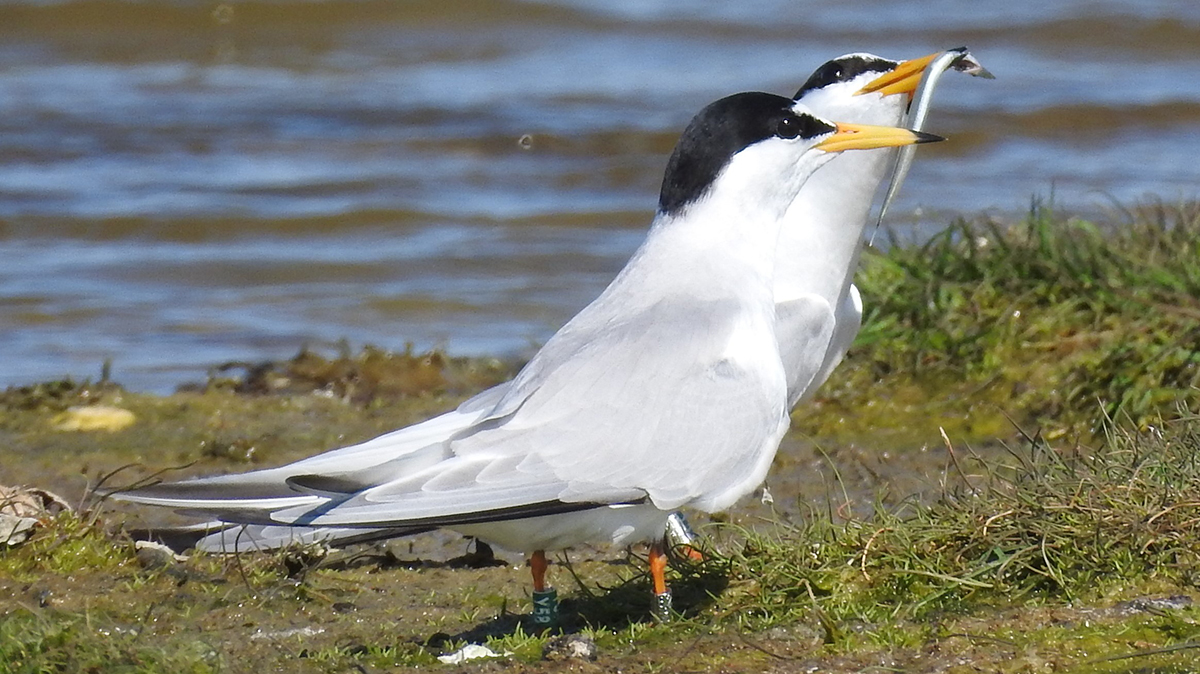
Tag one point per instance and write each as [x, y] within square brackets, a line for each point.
[818, 251]
[666, 391]
[818, 309]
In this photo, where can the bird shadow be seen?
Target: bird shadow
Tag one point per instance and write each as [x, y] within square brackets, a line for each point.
[695, 585]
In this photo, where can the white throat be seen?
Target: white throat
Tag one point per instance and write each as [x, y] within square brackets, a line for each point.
[822, 233]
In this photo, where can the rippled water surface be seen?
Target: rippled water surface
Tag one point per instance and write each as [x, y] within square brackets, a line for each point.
[184, 183]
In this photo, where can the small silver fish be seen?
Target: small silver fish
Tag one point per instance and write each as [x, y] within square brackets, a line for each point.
[959, 59]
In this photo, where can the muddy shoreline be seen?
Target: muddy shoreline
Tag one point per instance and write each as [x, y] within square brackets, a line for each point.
[1000, 477]
[398, 605]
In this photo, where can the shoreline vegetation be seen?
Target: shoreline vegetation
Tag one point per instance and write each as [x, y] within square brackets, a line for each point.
[1071, 347]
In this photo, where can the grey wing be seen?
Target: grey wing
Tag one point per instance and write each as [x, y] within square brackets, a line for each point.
[651, 407]
[670, 411]
[240, 495]
[847, 323]
[804, 328]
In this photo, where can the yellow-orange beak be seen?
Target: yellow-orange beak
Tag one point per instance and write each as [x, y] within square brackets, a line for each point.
[903, 80]
[865, 137]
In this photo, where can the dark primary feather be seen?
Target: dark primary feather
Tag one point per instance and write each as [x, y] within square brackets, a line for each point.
[217, 488]
[407, 525]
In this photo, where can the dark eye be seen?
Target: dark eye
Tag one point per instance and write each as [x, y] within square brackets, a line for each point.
[829, 73]
[788, 127]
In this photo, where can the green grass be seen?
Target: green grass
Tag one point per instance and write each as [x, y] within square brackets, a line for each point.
[1085, 335]
[31, 643]
[1056, 322]
[73, 544]
[1051, 524]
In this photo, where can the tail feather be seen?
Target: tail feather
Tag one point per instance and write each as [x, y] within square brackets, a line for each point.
[250, 538]
[192, 495]
[238, 496]
[227, 538]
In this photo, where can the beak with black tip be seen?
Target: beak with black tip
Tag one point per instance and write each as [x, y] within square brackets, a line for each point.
[866, 137]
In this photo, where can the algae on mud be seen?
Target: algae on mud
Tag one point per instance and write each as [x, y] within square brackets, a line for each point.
[1061, 560]
[1060, 550]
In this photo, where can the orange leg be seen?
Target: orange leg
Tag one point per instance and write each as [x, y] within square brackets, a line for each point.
[658, 567]
[661, 609]
[545, 601]
[538, 565]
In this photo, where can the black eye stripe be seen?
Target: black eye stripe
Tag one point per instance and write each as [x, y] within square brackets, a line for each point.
[788, 127]
[720, 131]
[844, 69]
[791, 125]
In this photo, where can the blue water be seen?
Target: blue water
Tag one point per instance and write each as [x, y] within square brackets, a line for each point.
[183, 184]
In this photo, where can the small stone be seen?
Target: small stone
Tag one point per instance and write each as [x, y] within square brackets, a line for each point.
[31, 502]
[22, 509]
[570, 647]
[45, 598]
[15, 530]
[1155, 604]
[154, 556]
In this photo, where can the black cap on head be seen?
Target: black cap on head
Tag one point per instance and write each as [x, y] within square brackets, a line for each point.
[721, 130]
[844, 69]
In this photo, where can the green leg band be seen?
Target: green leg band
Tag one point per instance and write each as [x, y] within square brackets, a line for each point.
[545, 609]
